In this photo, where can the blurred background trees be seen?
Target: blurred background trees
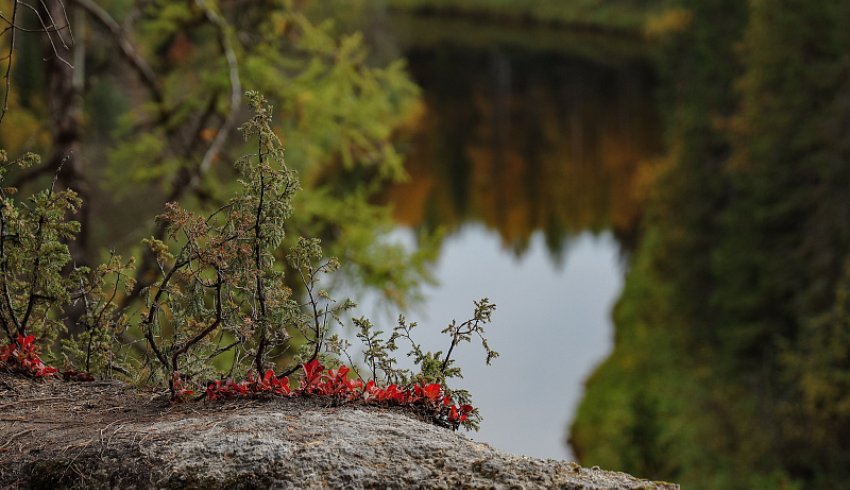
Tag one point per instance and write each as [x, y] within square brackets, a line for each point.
[147, 114]
[715, 379]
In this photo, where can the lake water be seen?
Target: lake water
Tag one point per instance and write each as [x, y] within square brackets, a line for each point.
[530, 162]
[551, 328]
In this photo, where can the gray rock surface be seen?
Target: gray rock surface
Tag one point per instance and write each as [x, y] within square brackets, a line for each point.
[62, 435]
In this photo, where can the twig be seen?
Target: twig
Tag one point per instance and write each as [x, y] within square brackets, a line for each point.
[154, 308]
[52, 27]
[235, 88]
[258, 270]
[27, 400]
[201, 335]
[128, 50]
[8, 74]
[15, 436]
[47, 29]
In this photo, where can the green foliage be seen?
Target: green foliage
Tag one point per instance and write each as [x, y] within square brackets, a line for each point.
[379, 353]
[626, 15]
[96, 349]
[337, 106]
[818, 376]
[220, 292]
[33, 255]
[223, 283]
[38, 283]
[729, 359]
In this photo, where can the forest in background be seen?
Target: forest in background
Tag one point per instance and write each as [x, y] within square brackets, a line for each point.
[138, 103]
[730, 367]
[610, 15]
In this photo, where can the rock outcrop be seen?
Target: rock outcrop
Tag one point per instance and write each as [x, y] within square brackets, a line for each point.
[108, 435]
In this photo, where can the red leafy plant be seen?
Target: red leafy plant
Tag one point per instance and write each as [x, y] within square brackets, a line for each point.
[429, 400]
[21, 357]
[225, 298]
[235, 293]
[38, 282]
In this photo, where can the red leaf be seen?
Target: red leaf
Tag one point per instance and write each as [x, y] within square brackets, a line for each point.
[26, 342]
[432, 391]
[312, 372]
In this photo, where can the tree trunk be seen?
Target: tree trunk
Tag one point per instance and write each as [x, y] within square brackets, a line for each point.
[65, 102]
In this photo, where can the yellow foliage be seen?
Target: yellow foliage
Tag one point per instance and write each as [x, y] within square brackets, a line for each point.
[22, 131]
[667, 23]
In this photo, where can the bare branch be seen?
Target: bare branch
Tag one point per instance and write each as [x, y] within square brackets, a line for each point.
[8, 74]
[235, 88]
[219, 316]
[188, 178]
[128, 50]
[47, 29]
[52, 26]
[67, 22]
[154, 308]
[13, 25]
[258, 259]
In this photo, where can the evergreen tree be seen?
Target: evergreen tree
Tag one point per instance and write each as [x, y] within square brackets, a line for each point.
[151, 106]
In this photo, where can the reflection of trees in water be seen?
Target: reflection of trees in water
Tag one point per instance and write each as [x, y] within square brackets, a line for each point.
[525, 142]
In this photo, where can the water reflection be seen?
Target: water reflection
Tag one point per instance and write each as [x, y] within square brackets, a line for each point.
[524, 142]
[551, 329]
[522, 157]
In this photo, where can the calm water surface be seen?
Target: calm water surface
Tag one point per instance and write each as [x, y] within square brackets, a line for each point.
[551, 328]
[530, 162]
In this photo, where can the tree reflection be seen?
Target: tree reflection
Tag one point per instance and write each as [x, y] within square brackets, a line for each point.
[525, 142]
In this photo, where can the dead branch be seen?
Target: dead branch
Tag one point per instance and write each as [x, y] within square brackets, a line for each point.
[235, 88]
[128, 50]
[8, 74]
[188, 179]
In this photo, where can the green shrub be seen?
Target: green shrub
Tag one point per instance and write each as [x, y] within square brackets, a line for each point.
[220, 305]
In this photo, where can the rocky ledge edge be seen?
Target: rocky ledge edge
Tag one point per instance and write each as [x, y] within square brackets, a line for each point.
[109, 435]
